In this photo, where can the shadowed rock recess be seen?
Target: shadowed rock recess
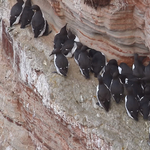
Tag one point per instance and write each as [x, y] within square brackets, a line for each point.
[42, 110]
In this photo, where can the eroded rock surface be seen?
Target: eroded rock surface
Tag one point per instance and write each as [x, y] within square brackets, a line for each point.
[48, 111]
[118, 30]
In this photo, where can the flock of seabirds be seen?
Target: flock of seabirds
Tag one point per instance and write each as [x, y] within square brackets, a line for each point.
[116, 82]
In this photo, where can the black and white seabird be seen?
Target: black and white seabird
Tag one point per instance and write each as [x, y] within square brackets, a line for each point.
[147, 70]
[84, 62]
[15, 13]
[92, 52]
[113, 65]
[138, 67]
[69, 47]
[103, 94]
[107, 76]
[77, 51]
[70, 35]
[27, 15]
[145, 103]
[39, 24]
[146, 78]
[131, 104]
[62, 36]
[125, 71]
[136, 84]
[138, 88]
[117, 88]
[60, 62]
[98, 61]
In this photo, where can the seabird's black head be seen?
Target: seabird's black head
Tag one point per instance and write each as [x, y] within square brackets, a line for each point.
[79, 45]
[28, 3]
[35, 8]
[117, 98]
[85, 72]
[84, 48]
[71, 35]
[63, 30]
[113, 62]
[92, 52]
[12, 20]
[25, 21]
[122, 64]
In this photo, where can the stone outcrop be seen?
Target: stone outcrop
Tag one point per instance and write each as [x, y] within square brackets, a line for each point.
[43, 110]
[118, 30]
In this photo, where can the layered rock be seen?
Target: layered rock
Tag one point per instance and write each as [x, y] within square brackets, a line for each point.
[48, 111]
[118, 30]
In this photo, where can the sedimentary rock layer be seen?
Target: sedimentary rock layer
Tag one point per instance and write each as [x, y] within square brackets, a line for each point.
[118, 30]
[49, 111]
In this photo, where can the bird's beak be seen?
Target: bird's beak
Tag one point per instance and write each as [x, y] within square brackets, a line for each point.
[51, 53]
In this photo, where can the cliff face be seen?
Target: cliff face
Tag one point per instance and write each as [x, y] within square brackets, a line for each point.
[118, 30]
[43, 110]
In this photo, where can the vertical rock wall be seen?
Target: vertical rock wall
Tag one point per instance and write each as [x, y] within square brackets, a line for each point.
[42, 110]
[118, 30]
